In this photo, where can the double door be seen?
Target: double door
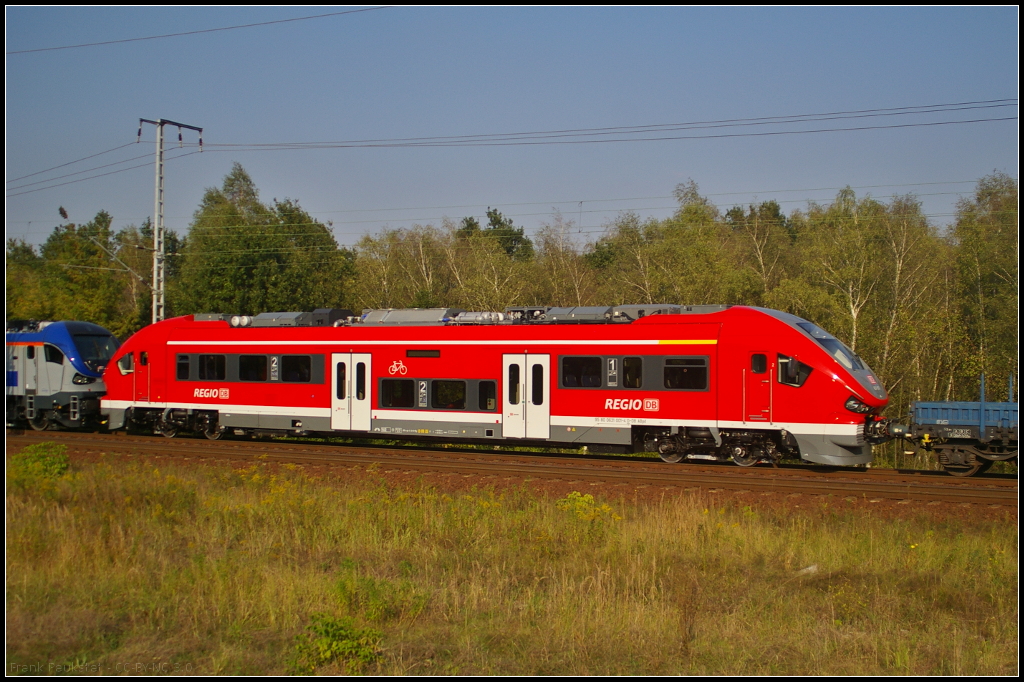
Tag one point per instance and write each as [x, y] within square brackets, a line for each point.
[526, 398]
[350, 391]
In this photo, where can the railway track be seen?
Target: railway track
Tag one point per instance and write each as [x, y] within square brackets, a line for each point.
[871, 484]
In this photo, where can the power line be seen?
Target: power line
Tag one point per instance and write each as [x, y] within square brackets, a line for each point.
[327, 249]
[100, 175]
[553, 202]
[549, 137]
[68, 175]
[206, 30]
[752, 193]
[522, 143]
[721, 207]
[46, 170]
[649, 198]
[657, 127]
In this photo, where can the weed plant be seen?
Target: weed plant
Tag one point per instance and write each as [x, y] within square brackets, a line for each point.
[37, 465]
[131, 567]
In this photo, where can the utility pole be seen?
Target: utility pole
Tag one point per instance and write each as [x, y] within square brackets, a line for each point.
[158, 210]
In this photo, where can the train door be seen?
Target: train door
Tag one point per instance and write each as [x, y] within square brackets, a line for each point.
[526, 399]
[538, 398]
[31, 362]
[350, 391]
[142, 376]
[757, 388]
[52, 369]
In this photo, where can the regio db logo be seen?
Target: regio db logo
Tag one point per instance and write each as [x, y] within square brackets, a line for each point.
[222, 393]
[647, 404]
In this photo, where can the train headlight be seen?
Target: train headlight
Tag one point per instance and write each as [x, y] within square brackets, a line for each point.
[854, 404]
[82, 379]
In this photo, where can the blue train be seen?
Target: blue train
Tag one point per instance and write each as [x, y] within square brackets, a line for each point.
[54, 373]
[967, 437]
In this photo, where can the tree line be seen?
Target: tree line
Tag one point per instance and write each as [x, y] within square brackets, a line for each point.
[929, 308]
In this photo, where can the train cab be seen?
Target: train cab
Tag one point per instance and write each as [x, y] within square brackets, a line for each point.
[55, 373]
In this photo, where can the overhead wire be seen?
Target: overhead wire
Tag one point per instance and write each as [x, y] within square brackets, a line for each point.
[554, 202]
[87, 170]
[100, 175]
[205, 30]
[658, 127]
[333, 225]
[519, 142]
[569, 229]
[69, 163]
[549, 137]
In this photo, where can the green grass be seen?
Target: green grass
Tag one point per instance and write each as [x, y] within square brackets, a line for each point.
[891, 455]
[268, 570]
[37, 465]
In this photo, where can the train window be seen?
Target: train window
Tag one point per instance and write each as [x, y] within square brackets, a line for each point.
[144, 358]
[252, 367]
[686, 373]
[126, 365]
[296, 368]
[792, 372]
[96, 349]
[584, 372]
[30, 352]
[513, 384]
[537, 385]
[212, 367]
[361, 381]
[183, 367]
[758, 363]
[341, 381]
[632, 372]
[834, 346]
[448, 395]
[487, 391]
[397, 392]
[412, 353]
[53, 354]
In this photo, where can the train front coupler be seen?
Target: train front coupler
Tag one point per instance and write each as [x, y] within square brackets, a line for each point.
[879, 430]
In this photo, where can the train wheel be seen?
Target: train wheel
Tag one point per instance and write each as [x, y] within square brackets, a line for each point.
[671, 457]
[213, 432]
[965, 470]
[167, 430]
[746, 457]
[39, 422]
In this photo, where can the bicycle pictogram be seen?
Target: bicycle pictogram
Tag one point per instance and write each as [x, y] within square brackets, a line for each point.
[398, 367]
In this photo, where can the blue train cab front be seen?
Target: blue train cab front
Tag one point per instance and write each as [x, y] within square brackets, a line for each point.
[54, 373]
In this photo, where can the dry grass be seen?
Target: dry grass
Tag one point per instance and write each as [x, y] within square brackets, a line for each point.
[129, 566]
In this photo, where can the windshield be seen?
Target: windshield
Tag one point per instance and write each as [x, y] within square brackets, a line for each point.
[96, 349]
[836, 348]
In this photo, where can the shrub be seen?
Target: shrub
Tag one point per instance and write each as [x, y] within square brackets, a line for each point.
[36, 463]
[586, 507]
[328, 640]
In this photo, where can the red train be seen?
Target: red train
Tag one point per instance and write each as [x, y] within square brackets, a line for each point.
[689, 382]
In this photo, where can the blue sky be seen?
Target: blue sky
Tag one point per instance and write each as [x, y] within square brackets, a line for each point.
[419, 72]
